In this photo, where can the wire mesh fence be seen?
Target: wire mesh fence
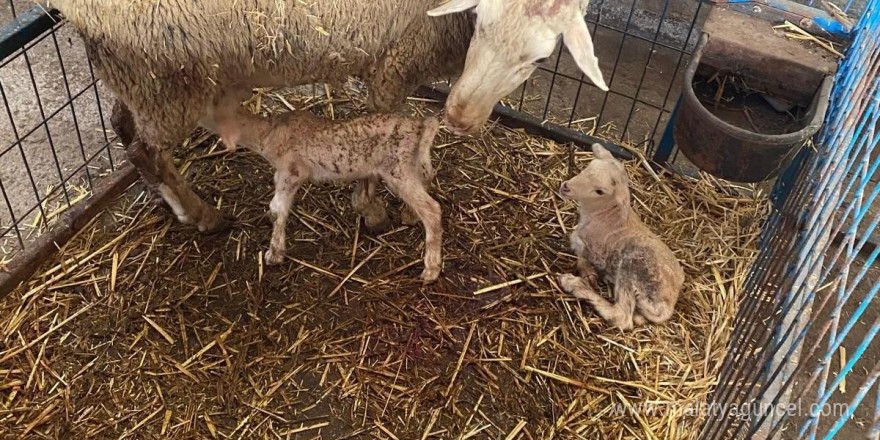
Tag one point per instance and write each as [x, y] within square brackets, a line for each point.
[809, 295]
[54, 122]
[803, 356]
[642, 45]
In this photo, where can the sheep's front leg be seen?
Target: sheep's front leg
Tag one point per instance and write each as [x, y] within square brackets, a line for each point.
[428, 210]
[619, 315]
[286, 185]
[122, 122]
[156, 167]
[365, 203]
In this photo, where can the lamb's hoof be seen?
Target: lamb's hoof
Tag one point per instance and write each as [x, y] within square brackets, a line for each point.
[215, 223]
[273, 256]
[569, 282]
[377, 224]
[429, 275]
[156, 199]
[625, 326]
[408, 217]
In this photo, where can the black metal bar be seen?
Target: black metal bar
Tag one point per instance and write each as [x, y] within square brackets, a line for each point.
[51, 115]
[516, 119]
[552, 83]
[25, 28]
[632, 108]
[53, 191]
[11, 216]
[94, 86]
[639, 37]
[72, 105]
[678, 67]
[45, 123]
[20, 148]
[632, 10]
[613, 92]
[24, 49]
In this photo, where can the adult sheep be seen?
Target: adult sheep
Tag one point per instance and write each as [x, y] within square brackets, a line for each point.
[167, 61]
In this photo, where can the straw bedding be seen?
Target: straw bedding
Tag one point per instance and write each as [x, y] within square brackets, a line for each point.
[142, 328]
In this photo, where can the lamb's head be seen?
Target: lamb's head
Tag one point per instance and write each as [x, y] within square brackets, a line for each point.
[511, 38]
[602, 185]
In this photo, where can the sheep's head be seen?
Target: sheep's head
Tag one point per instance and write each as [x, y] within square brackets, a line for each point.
[511, 38]
[602, 185]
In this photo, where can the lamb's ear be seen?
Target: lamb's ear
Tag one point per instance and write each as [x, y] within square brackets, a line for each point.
[452, 7]
[579, 43]
[623, 203]
[601, 153]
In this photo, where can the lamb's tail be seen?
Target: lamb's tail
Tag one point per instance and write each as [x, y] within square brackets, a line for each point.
[430, 126]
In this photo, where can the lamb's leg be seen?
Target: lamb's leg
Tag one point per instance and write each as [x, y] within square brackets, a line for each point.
[157, 169]
[639, 320]
[428, 210]
[408, 216]
[370, 207]
[619, 314]
[654, 311]
[286, 185]
[587, 271]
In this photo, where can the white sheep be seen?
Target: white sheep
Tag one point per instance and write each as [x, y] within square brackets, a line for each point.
[303, 147]
[166, 61]
[611, 240]
[512, 38]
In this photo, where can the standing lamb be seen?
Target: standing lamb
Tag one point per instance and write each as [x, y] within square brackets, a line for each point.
[167, 61]
[611, 239]
[392, 147]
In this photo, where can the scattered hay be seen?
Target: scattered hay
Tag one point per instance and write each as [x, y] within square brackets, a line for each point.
[141, 328]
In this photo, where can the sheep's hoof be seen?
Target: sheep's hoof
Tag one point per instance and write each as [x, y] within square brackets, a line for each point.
[569, 282]
[429, 275]
[273, 256]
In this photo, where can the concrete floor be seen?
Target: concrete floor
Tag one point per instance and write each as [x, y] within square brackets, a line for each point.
[20, 113]
[638, 62]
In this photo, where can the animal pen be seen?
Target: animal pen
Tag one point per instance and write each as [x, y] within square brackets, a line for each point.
[118, 322]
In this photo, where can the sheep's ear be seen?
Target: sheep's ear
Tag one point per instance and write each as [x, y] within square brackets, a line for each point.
[452, 7]
[579, 43]
[601, 153]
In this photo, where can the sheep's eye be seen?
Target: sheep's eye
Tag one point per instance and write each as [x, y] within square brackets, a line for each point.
[542, 60]
[600, 192]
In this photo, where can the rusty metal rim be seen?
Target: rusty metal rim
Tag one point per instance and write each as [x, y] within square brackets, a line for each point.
[24, 265]
[818, 107]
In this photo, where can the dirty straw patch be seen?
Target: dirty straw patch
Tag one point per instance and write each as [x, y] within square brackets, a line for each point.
[141, 328]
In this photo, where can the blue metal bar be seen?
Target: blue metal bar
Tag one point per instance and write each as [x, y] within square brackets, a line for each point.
[826, 180]
[667, 142]
[851, 408]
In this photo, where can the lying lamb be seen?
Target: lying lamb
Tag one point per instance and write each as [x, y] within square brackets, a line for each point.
[610, 238]
[302, 147]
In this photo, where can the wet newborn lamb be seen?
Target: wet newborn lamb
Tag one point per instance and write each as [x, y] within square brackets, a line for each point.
[611, 239]
[303, 147]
